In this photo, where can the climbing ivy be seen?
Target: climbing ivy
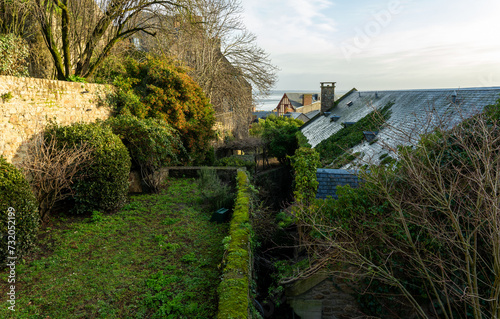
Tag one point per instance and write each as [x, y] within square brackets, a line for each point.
[305, 163]
[13, 55]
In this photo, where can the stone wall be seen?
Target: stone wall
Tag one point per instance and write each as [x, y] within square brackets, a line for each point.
[316, 106]
[322, 296]
[224, 122]
[329, 179]
[28, 104]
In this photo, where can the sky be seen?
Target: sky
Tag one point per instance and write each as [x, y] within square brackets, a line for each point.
[379, 44]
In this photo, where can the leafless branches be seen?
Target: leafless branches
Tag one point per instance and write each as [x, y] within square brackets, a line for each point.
[209, 35]
[80, 34]
[434, 218]
[50, 170]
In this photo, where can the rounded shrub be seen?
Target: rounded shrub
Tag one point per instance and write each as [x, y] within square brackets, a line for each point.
[151, 143]
[103, 185]
[18, 210]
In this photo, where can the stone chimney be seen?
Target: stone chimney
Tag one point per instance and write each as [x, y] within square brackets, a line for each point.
[307, 99]
[327, 96]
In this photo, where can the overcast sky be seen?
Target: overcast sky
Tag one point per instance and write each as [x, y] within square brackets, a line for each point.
[379, 44]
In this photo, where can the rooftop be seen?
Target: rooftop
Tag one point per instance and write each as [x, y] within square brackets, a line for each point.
[414, 112]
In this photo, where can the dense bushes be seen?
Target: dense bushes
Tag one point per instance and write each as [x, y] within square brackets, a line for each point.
[279, 134]
[104, 185]
[305, 162]
[151, 143]
[15, 192]
[424, 232]
[236, 162]
[161, 89]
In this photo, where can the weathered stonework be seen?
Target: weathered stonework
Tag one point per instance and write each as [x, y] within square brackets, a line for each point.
[322, 296]
[35, 102]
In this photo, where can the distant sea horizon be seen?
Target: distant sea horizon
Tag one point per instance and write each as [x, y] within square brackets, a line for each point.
[271, 101]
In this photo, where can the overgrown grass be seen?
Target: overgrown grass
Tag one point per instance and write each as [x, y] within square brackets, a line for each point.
[157, 258]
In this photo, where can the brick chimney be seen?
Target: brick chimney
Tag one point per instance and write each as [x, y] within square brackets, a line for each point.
[327, 96]
[307, 99]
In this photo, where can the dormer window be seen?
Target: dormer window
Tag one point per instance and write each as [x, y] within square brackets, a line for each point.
[334, 118]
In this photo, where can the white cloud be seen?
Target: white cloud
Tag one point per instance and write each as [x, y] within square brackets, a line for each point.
[290, 26]
[438, 43]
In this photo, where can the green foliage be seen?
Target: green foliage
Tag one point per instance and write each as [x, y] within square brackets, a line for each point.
[337, 144]
[96, 216]
[13, 55]
[216, 194]
[75, 78]
[6, 97]
[127, 265]
[236, 162]
[302, 140]
[234, 287]
[279, 134]
[493, 111]
[305, 162]
[161, 89]
[15, 193]
[104, 185]
[418, 224]
[354, 204]
[151, 142]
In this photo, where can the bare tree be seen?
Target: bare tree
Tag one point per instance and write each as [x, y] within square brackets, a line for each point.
[15, 17]
[81, 33]
[50, 170]
[210, 37]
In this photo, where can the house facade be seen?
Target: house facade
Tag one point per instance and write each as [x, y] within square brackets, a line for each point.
[298, 102]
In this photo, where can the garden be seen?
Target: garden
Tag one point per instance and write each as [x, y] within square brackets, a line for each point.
[157, 257]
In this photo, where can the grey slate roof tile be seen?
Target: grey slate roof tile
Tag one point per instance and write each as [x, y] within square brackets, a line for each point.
[414, 112]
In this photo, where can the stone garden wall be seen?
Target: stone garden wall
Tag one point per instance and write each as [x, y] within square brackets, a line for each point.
[28, 104]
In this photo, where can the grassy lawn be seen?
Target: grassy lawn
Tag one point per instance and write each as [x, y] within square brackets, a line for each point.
[156, 258]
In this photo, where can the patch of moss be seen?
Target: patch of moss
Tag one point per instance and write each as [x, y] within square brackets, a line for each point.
[235, 284]
[350, 136]
[6, 97]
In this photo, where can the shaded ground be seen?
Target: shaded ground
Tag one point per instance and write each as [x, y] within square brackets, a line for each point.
[158, 256]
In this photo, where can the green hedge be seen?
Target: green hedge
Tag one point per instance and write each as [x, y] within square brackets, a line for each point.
[15, 193]
[236, 162]
[234, 287]
[104, 185]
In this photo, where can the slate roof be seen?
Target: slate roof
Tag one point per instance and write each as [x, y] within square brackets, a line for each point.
[414, 112]
[312, 114]
[329, 179]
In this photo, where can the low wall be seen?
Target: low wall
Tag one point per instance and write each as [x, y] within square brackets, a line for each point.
[234, 289]
[329, 179]
[316, 106]
[28, 104]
